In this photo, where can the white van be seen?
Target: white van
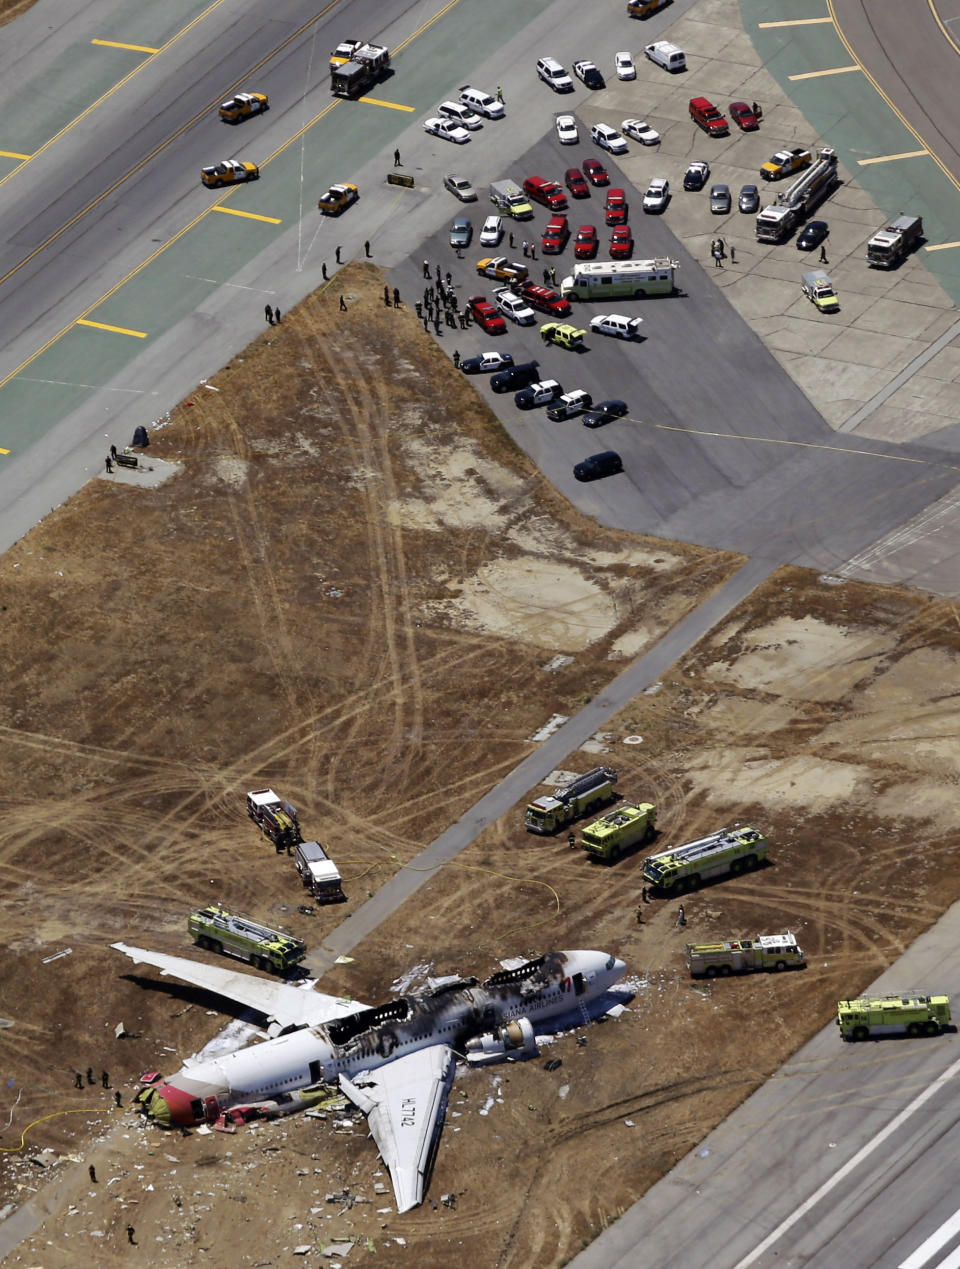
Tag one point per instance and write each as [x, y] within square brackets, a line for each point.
[460, 113]
[482, 103]
[667, 55]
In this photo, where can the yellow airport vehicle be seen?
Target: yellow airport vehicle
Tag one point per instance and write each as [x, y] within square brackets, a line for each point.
[608, 837]
[243, 106]
[218, 930]
[644, 8]
[229, 172]
[502, 269]
[893, 1015]
[785, 163]
[733, 850]
[337, 199]
[563, 334]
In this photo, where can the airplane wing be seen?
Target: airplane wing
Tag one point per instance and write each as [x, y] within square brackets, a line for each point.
[405, 1102]
[281, 1002]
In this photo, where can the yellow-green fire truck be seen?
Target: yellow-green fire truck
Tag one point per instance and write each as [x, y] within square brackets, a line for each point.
[581, 796]
[609, 836]
[731, 850]
[741, 956]
[893, 1015]
[218, 930]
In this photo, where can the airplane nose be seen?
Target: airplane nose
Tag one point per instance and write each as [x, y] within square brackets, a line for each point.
[619, 969]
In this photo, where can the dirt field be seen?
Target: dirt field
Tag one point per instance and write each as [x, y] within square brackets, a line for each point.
[350, 591]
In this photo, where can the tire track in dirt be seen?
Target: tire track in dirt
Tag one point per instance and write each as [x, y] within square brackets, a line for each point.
[227, 780]
[381, 656]
[256, 556]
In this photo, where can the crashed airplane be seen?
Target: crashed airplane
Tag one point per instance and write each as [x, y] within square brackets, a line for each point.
[395, 1061]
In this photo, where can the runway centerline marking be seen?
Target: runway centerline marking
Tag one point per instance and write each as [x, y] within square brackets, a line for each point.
[834, 70]
[389, 105]
[117, 330]
[235, 211]
[134, 48]
[851, 1165]
[765, 26]
[892, 158]
[12, 154]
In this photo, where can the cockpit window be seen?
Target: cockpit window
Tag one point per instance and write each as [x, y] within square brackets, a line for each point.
[611, 961]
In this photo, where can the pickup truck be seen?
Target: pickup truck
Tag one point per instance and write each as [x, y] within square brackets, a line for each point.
[708, 117]
[785, 163]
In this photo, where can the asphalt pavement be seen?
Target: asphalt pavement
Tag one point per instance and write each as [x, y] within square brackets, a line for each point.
[845, 1157]
[720, 446]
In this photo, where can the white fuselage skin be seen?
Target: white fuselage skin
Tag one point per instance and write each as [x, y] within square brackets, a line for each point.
[545, 989]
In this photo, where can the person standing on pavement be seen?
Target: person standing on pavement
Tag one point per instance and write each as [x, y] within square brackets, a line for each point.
[268, 313]
[396, 159]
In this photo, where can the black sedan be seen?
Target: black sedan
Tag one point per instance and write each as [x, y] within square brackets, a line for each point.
[605, 412]
[813, 235]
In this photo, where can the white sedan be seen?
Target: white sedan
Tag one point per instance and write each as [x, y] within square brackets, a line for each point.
[624, 64]
[492, 231]
[640, 131]
[608, 138]
[447, 130]
[657, 196]
[512, 306]
[567, 131]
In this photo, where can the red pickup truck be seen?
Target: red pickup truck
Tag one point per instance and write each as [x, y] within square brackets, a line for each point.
[549, 193]
[709, 118]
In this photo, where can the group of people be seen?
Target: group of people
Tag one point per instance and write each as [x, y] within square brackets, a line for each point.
[439, 303]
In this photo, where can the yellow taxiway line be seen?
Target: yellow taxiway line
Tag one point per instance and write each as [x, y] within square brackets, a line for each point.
[390, 105]
[134, 48]
[834, 70]
[215, 4]
[892, 158]
[233, 211]
[899, 113]
[12, 154]
[117, 330]
[765, 26]
[941, 246]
